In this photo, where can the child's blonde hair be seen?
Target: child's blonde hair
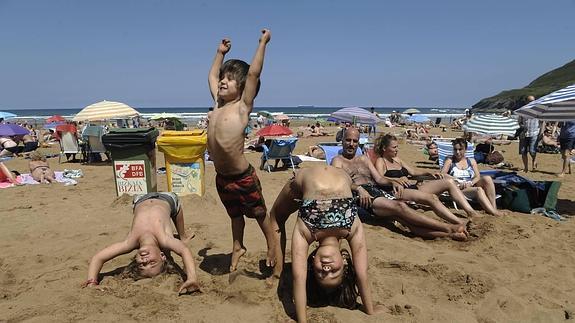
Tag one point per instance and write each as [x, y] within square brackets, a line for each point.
[133, 271]
[36, 156]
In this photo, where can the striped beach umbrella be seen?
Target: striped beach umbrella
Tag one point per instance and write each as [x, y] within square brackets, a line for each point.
[491, 124]
[355, 115]
[106, 110]
[556, 106]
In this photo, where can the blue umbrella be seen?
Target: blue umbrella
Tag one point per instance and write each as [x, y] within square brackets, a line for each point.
[7, 115]
[418, 118]
[12, 130]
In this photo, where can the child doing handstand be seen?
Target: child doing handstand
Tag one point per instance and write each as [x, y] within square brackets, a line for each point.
[327, 214]
[234, 86]
[151, 233]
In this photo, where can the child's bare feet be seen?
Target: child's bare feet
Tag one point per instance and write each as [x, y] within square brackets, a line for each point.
[459, 232]
[236, 255]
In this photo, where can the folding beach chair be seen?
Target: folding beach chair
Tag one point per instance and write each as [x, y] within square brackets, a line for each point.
[445, 149]
[92, 136]
[68, 144]
[333, 149]
[278, 149]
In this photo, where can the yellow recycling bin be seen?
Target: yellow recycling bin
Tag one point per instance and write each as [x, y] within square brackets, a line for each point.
[184, 155]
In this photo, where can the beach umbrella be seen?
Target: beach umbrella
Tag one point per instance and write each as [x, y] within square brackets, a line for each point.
[411, 111]
[55, 118]
[7, 115]
[355, 115]
[274, 130]
[491, 124]
[418, 118]
[164, 115]
[556, 106]
[105, 110]
[266, 114]
[10, 129]
[281, 117]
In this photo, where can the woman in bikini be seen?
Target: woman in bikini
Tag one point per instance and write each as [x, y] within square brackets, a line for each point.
[327, 215]
[40, 169]
[392, 167]
[466, 173]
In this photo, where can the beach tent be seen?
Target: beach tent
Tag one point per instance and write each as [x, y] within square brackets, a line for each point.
[556, 106]
[105, 110]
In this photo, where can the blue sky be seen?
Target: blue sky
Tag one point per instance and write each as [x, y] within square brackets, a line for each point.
[68, 54]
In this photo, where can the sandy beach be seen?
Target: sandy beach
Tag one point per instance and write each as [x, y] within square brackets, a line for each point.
[516, 268]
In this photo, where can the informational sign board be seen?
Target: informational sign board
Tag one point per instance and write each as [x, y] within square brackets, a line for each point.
[130, 177]
[186, 178]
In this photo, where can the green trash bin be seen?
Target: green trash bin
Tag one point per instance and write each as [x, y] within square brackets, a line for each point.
[133, 154]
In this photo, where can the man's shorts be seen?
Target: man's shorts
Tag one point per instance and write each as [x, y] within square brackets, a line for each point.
[242, 194]
[567, 143]
[169, 197]
[528, 145]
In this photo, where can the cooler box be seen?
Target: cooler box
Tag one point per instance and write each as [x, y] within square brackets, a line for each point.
[184, 155]
[134, 157]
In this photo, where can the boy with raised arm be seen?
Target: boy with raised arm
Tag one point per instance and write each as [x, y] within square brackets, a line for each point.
[234, 86]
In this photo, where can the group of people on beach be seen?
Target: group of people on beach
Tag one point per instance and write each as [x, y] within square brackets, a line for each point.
[329, 200]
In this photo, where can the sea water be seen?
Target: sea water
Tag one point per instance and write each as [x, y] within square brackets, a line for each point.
[194, 114]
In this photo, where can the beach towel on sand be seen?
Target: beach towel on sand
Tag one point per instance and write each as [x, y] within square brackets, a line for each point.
[59, 176]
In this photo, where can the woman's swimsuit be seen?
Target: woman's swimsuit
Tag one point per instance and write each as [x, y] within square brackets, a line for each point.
[397, 173]
[328, 214]
[466, 174]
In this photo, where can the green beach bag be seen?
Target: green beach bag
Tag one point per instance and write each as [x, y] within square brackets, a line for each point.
[516, 198]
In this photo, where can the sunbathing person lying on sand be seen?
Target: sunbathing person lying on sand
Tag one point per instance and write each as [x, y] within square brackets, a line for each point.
[7, 176]
[39, 168]
[327, 214]
[151, 234]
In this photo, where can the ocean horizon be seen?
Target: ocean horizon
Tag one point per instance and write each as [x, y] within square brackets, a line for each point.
[199, 112]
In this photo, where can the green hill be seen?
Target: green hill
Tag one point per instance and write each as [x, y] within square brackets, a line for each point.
[544, 84]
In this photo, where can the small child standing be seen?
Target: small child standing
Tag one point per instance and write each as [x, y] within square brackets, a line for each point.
[234, 86]
[151, 233]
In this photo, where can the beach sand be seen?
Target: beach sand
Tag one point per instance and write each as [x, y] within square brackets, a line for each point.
[516, 268]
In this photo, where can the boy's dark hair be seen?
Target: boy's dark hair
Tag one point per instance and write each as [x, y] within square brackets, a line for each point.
[345, 295]
[382, 142]
[459, 141]
[237, 70]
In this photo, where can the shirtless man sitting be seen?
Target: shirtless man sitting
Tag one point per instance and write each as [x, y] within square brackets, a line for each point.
[380, 203]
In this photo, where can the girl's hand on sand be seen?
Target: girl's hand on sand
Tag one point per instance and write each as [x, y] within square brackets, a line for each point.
[188, 287]
[266, 36]
[225, 46]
